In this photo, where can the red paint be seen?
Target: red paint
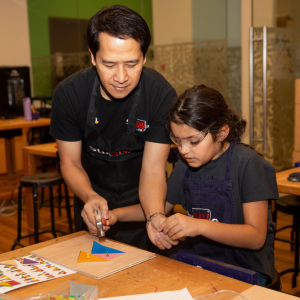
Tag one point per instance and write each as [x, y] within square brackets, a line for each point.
[213, 287]
[155, 288]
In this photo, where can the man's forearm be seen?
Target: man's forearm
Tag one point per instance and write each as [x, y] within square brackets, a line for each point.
[78, 181]
[152, 193]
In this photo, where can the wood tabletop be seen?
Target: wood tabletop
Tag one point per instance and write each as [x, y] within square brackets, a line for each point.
[286, 186]
[20, 122]
[48, 149]
[156, 275]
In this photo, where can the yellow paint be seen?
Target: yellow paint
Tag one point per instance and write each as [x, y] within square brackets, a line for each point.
[87, 255]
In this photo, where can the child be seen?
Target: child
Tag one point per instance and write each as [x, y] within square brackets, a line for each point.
[224, 185]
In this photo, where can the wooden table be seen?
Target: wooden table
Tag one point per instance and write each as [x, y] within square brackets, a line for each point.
[286, 186]
[156, 275]
[30, 154]
[11, 148]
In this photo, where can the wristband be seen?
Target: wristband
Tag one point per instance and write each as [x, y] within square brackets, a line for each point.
[152, 216]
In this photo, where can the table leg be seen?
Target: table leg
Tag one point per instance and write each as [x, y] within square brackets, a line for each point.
[29, 162]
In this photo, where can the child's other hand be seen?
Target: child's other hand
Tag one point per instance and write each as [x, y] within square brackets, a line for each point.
[180, 226]
[112, 220]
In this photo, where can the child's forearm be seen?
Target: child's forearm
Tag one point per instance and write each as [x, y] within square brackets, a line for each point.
[133, 213]
[241, 236]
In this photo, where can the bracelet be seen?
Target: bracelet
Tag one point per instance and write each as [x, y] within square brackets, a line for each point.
[152, 216]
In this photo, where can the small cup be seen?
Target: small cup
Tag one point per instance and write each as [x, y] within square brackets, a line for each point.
[36, 115]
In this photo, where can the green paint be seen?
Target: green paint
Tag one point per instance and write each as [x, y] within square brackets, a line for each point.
[107, 253]
[38, 14]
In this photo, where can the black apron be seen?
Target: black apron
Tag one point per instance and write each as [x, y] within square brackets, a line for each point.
[213, 200]
[114, 167]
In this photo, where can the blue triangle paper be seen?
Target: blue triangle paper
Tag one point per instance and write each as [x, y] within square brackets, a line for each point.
[99, 249]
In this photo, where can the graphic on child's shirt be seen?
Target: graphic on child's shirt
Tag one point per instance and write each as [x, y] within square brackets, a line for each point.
[202, 213]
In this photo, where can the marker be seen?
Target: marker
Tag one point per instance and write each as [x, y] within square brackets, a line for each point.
[96, 121]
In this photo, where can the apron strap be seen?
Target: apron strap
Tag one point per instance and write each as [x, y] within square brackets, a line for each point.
[132, 118]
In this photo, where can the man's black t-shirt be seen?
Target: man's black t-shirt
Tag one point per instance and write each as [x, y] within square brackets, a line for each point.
[71, 100]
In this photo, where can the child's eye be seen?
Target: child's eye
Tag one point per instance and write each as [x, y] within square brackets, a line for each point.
[194, 143]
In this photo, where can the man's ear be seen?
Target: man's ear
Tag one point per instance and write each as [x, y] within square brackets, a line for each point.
[92, 58]
[145, 59]
[223, 133]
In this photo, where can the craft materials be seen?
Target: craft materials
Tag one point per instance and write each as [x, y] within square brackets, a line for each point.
[100, 250]
[98, 217]
[66, 254]
[13, 277]
[89, 258]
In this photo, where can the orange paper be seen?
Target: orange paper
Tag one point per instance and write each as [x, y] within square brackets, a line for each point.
[82, 259]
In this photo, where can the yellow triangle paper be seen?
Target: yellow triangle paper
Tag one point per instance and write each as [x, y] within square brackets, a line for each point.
[82, 259]
[9, 262]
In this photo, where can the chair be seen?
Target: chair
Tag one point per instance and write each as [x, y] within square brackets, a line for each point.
[290, 205]
[41, 181]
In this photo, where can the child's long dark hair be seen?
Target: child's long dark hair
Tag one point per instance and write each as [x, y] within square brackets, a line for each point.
[200, 107]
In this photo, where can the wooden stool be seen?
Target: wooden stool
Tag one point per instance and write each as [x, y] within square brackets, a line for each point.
[290, 205]
[41, 181]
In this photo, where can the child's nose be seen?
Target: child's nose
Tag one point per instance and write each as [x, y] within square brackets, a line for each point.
[184, 149]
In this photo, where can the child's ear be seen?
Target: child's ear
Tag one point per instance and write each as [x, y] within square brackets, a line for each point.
[223, 133]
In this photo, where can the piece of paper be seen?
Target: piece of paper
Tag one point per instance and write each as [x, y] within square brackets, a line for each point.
[14, 277]
[85, 258]
[174, 295]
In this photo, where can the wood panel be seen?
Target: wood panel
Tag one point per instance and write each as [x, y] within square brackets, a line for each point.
[67, 253]
[3, 165]
[296, 153]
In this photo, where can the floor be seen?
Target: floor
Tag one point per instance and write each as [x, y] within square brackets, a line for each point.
[284, 258]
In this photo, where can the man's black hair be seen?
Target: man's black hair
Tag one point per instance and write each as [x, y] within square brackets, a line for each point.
[121, 22]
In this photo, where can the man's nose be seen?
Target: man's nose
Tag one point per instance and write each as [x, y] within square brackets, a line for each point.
[121, 75]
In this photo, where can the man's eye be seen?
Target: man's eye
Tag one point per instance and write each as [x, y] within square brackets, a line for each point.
[131, 66]
[109, 66]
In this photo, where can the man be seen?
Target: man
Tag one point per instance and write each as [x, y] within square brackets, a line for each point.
[109, 123]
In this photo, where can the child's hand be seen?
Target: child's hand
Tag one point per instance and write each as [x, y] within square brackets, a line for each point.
[112, 219]
[179, 226]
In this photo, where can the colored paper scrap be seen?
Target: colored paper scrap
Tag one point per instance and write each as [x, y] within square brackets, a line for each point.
[82, 258]
[27, 261]
[100, 249]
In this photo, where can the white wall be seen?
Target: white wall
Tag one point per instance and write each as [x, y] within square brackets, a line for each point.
[209, 20]
[172, 21]
[14, 34]
[264, 13]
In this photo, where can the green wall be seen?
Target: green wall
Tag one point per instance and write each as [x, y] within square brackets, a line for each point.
[38, 13]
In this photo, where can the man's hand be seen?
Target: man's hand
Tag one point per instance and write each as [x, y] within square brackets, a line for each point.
[95, 202]
[157, 237]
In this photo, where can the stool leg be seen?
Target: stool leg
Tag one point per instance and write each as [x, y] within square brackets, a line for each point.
[294, 279]
[35, 214]
[52, 211]
[68, 209]
[19, 217]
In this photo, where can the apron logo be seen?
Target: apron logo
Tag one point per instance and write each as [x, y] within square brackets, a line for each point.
[141, 125]
[117, 153]
[202, 213]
